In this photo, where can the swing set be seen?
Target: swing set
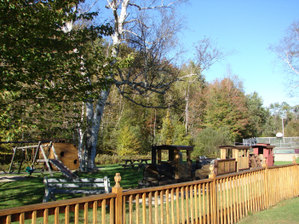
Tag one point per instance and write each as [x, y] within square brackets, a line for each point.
[42, 153]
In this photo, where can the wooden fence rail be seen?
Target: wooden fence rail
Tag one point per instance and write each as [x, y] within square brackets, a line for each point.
[222, 199]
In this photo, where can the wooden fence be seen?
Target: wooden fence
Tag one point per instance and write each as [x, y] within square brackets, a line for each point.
[221, 199]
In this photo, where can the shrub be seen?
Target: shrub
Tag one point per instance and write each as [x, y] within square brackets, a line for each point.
[209, 139]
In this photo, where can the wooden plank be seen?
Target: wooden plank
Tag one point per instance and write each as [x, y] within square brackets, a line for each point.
[46, 212]
[177, 195]
[165, 187]
[187, 204]
[86, 213]
[245, 194]
[137, 208]
[33, 219]
[131, 209]
[161, 207]
[200, 202]
[231, 197]
[191, 197]
[46, 160]
[204, 203]
[208, 198]
[95, 212]
[56, 215]
[172, 205]
[196, 204]
[167, 206]
[65, 171]
[8, 219]
[79, 180]
[227, 200]
[67, 214]
[221, 201]
[182, 206]
[217, 201]
[22, 218]
[77, 185]
[76, 214]
[150, 208]
[144, 208]
[12, 160]
[156, 208]
[112, 211]
[236, 204]
[103, 211]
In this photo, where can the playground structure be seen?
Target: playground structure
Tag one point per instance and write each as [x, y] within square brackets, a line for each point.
[235, 158]
[53, 156]
[285, 147]
[177, 168]
[265, 153]
[239, 152]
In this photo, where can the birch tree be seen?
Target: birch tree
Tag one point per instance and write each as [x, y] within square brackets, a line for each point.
[288, 52]
[144, 32]
[206, 55]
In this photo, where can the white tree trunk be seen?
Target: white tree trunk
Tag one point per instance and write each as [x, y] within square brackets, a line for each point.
[80, 133]
[95, 110]
[94, 115]
[187, 108]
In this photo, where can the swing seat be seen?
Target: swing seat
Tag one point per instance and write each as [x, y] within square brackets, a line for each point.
[29, 170]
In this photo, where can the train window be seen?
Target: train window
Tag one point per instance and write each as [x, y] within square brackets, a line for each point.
[261, 150]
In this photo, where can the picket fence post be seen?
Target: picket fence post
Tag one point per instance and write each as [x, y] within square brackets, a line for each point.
[117, 189]
[213, 191]
[266, 185]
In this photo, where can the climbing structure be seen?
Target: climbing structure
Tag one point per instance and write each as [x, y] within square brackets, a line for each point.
[46, 154]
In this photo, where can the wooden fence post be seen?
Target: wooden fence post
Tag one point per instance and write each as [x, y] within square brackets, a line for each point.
[266, 187]
[294, 160]
[117, 189]
[296, 181]
[213, 196]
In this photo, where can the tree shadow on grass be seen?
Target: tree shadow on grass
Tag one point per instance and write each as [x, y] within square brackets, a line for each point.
[23, 192]
[31, 190]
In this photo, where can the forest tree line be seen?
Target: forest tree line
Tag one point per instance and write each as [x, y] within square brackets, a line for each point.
[113, 88]
[198, 113]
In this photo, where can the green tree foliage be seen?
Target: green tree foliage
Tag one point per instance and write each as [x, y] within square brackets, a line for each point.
[166, 133]
[283, 118]
[129, 142]
[173, 131]
[39, 59]
[207, 141]
[257, 116]
[191, 99]
[179, 134]
[41, 66]
[133, 134]
[226, 107]
[292, 129]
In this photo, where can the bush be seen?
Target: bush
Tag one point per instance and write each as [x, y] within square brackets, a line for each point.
[207, 142]
[104, 159]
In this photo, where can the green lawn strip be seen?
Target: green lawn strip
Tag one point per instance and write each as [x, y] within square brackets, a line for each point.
[31, 190]
[278, 163]
[284, 212]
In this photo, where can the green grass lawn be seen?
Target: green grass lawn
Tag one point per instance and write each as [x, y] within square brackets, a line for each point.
[286, 212]
[31, 190]
[278, 163]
